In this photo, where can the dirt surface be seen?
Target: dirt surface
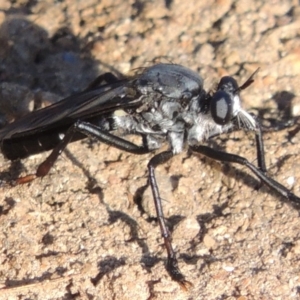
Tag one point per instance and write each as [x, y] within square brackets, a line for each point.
[64, 238]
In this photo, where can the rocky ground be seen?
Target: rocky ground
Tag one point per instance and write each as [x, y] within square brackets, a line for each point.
[77, 233]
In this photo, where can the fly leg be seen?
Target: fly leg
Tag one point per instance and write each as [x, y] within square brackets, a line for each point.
[89, 130]
[110, 139]
[172, 263]
[228, 157]
[107, 138]
[260, 153]
[260, 150]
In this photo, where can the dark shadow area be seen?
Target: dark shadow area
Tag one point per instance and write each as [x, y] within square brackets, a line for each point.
[147, 261]
[173, 221]
[48, 239]
[106, 266]
[9, 175]
[284, 101]
[282, 160]
[37, 70]
[205, 219]
[8, 204]
[294, 131]
[91, 184]
[29, 57]
[138, 199]
[70, 294]
[132, 224]
[47, 276]
[282, 117]
[30, 281]
[168, 4]
[286, 248]
[151, 286]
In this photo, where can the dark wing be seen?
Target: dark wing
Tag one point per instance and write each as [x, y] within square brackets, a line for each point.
[85, 104]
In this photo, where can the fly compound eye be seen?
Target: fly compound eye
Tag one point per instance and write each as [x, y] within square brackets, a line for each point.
[221, 107]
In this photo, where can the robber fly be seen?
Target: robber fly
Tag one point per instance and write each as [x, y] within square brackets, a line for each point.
[163, 103]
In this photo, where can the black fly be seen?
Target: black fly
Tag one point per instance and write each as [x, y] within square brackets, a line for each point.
[165, 102]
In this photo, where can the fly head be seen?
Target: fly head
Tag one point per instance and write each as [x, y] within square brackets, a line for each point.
[225, 104]
[224, 100]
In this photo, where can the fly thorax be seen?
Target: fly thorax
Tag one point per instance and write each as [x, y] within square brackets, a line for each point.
[201, 129]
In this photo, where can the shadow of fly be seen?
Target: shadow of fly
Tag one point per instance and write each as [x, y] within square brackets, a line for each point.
[163, 103]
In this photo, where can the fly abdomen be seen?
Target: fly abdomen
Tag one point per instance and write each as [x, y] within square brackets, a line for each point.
[24, 146]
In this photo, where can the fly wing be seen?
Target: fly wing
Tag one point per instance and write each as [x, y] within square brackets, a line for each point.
[119, 96]
[85, 104]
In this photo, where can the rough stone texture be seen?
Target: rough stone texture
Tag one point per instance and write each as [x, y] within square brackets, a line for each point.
[63, 240]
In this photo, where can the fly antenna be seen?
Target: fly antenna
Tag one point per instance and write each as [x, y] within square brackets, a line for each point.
[248, 82]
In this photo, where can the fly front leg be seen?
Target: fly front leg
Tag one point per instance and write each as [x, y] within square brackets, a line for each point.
[172, 263]
[89, 130]
[259, 142]
[260, 151]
